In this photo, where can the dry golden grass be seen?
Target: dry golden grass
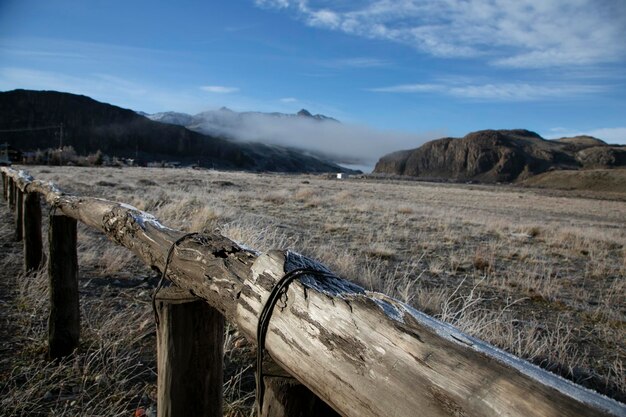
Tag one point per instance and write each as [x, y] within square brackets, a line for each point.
[113, 373]
[542, 276]
[594, 182]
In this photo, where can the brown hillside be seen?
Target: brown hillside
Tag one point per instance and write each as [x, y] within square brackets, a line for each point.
[600, 180]
[500, 156]
[582, 141]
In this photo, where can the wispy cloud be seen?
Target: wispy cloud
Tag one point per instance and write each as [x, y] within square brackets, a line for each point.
[288, 100]
[219, 89]
[355, 62]
[496, 91]
[83, 51]
[521, 33]
[324, 18]
[279, 4]
[240, 28]
[410, 88]
[108, 88]
[91, 84]
[42, 53]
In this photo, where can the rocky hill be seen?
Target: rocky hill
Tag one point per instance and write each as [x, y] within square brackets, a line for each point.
[500, 156]
[89, 126]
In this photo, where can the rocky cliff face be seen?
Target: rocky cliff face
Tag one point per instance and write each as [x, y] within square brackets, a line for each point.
[90, 126]
[499, 156]
[602, 157]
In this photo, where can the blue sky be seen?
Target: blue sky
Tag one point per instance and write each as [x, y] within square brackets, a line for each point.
[429, 68]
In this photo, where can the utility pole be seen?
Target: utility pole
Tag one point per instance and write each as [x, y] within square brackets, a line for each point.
[61, 136]
[57, 129]
[61, 144]
[4, 158]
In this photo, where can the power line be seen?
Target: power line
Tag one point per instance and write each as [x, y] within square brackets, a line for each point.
[26, 129]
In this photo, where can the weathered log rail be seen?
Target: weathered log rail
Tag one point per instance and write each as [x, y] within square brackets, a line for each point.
[362, 353]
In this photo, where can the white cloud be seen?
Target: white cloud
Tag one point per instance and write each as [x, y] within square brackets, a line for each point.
[288, 100]
[521, 33]
[219, 89]
[410, 88]
[613, 135]
[496, 91]
[324, 18]
[272, 3]
[356, 62]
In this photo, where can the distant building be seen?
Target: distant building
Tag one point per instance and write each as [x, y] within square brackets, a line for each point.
[9, 154]
[4, 155]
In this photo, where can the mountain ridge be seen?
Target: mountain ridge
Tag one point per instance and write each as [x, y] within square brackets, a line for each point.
[90, 126]
[228, 123]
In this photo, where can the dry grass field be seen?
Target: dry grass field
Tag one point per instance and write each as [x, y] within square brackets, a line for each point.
[601, 183]
[540, 275]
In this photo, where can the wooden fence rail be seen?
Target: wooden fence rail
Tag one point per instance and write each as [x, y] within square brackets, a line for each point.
[361, 352]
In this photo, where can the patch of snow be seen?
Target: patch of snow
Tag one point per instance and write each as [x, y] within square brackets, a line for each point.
[25, 176]
[142, 217]
[53, 187]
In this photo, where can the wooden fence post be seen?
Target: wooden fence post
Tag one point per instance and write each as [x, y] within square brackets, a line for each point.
[5, 189]
[19, 214]
[285, 396]
[11, 192]
[190, 355]
[33, 248]
[14, 185]
[64, 319]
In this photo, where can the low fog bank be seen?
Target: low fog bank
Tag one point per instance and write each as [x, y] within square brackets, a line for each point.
[366, 168]
[347, 144]
[351, 144]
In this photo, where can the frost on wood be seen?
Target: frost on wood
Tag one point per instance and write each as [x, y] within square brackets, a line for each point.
[332, 286]
[141, 217]
[397, 310]
[24, 176]
[365, 351]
